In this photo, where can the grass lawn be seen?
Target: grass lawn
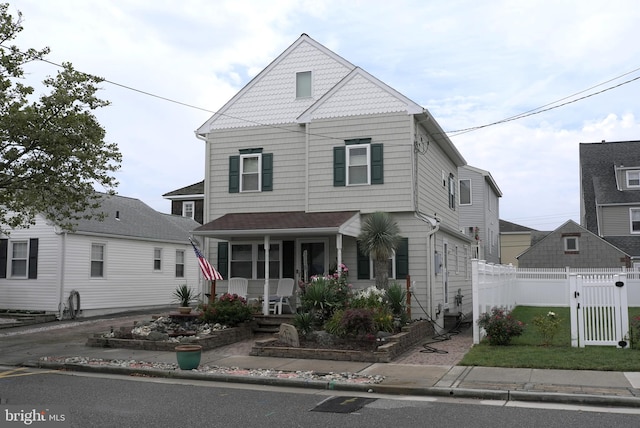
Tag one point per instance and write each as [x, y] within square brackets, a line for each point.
[527, 351]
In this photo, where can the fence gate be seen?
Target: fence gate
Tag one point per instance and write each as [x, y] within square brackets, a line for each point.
[599, 312]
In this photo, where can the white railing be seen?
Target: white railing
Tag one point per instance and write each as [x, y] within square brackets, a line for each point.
[506, 286]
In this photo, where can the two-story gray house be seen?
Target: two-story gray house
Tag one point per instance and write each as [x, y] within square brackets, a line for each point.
[610, 194]
[308, 148]
[479, 197]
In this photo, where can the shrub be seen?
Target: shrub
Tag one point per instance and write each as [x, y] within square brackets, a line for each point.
[303, 322]
[500, 326]
[397, 301]
[369, 298]
[228, 309]
[358, 322]
[634, 332]
[383, 320]
[547, 326]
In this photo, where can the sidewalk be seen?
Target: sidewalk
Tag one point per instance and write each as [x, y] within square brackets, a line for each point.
[424, 371]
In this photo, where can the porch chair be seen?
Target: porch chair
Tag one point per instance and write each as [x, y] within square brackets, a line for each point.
[283, 295]
[238, 286]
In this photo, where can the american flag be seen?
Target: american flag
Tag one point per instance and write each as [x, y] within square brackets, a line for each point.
[208, 271]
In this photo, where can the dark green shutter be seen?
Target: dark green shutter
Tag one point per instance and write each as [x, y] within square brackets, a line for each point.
[377, 164]
[234, 174]
[288, 259]
[402, 259]
[33, 258]
[339, 167]
[267, 172]
[363, 264]
[4, 245]
[223, 259]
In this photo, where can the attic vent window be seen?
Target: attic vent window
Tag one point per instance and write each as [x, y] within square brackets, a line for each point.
[303, 84]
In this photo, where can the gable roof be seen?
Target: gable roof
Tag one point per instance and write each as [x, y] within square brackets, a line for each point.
[282, 223]
[487, 176]
[249, 107]
[597, 176]
[569, 224]
[131, 218]
[508, 227]
[196, 189]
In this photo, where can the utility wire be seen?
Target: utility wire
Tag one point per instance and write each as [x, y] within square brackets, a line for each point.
[538, 110]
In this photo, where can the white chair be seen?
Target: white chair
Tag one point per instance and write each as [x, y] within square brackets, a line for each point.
[284, 293]
[238, 286]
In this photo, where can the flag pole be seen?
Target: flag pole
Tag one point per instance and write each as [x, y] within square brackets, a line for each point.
[212, 296]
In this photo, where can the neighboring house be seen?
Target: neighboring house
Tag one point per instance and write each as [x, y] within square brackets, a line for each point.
[188, 201]
[135, 258]
[479, 197]
[514, 240]
[304, 151]
[571, 245]
[610, 194]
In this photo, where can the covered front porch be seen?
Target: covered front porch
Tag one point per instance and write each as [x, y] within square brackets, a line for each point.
[264, 247]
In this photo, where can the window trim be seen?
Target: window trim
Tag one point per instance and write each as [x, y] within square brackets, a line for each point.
[182, 252]
[631, 221]
[350, 147]
[392, 259]
[103, 260]
[634, 172]
[254, 258]
[460, 192]
[11, 258]
[242, 173]
[566, 240]
[157, 268]
[191, 204]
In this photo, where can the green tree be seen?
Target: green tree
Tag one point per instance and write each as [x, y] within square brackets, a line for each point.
[379, 237]
[52, 149]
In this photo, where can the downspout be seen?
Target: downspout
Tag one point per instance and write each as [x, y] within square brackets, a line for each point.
[205, 211]
[306, 167]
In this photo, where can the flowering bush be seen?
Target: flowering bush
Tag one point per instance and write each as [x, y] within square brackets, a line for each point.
[228, 309]
[323, 295]
[500, 326]
[547, 326]
[371, 298]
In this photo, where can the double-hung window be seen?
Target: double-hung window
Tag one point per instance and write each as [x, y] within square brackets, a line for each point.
[452, 192]
[359, 162]
[19, 258]
[188, 209]
[157, 259]
[633, 178]
[634, 214]
[97, 260]
[250, 177]
[251, 171]
[179, 263]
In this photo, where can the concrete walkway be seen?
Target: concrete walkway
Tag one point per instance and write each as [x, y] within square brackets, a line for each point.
[425, 370]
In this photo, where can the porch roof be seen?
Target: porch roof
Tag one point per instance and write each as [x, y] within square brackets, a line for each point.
[282, 223]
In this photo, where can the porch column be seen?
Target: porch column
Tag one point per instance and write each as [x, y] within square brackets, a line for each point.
[339, 248]
[265, 300]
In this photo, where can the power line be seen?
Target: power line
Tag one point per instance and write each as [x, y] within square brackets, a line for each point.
[535, 111]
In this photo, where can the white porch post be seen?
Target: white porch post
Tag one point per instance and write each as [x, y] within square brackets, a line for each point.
[339, 248]
[265, 300]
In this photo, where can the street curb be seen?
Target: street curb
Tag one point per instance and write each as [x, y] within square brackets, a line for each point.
[480, 394]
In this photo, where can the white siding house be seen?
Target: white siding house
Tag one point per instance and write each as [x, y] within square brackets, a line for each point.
[135, 258]
[303, 152]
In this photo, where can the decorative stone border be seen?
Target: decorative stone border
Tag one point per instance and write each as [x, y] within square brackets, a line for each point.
[396, 345]
[213, 340]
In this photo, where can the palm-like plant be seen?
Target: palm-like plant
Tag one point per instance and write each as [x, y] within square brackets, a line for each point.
[379, 237]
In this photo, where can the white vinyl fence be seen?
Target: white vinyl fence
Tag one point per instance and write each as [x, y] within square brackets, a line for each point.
[506, 286]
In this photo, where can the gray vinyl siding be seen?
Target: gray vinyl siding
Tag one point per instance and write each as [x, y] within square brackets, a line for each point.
[391, 130]
[615, 220]
[475, 214]
[289, 158]
[433, 196]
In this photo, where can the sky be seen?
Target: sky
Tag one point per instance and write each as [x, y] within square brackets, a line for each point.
[172, 64]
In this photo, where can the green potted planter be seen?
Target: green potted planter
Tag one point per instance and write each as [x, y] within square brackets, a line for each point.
[188, 356]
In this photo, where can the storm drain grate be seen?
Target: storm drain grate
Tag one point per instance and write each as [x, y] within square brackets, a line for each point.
[342, 404]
